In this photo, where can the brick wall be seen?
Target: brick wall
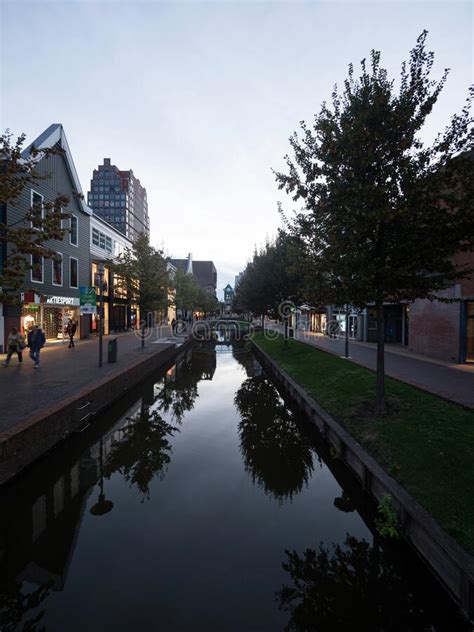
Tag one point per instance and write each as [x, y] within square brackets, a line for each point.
[434, 327]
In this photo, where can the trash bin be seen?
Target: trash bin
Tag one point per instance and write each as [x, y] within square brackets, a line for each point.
[112, 350]
[291, 332]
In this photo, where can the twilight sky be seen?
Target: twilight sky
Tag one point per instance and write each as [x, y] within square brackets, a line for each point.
[199, 98]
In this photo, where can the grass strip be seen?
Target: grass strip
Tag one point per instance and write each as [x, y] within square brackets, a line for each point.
[425, 442]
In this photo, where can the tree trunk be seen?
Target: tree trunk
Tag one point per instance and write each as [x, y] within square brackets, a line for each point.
[380, 389]
[263, 322]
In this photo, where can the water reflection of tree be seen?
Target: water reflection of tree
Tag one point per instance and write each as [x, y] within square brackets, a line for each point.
[15, 604]
[276, 453]
[352, 588]
[179, 392]
[143, 451]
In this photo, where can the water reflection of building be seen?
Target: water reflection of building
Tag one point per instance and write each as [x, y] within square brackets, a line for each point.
[41, 518]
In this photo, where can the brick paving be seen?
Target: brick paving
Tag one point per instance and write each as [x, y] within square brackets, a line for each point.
[25, 391]
[452, 381]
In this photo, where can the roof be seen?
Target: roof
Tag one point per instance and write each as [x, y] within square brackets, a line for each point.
[179, 264]
[204, 272]
[52, 136]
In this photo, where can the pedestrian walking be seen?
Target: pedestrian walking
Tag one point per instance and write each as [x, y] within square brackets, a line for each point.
[36, 340]
[15, 344]
[71, 331]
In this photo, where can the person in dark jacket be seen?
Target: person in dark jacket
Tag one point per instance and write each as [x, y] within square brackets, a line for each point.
[71, 330]
[36, 340]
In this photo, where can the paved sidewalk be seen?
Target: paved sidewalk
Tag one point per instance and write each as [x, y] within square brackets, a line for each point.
[25, 390]
[452, 381]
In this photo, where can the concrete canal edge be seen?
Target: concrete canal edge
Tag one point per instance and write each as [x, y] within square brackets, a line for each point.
[30, 439]
[450, 562]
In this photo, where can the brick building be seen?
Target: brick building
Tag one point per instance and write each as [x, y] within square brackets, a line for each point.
[445, 330]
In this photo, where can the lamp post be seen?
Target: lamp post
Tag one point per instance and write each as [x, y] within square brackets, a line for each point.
[100, 271]
[346, 348]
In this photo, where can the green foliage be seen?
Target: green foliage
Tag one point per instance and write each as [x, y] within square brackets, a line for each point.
[188, 294]
[271, 277]
[387, 522]
[142, 272]
[39, 226]
[383, 215]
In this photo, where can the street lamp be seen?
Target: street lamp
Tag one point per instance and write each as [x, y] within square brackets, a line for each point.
[100, 272]
[346, 347]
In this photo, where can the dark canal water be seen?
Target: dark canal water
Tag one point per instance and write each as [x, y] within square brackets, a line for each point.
[202, 502]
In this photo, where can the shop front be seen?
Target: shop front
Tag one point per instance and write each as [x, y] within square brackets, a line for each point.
[318, 322]
[51, 313]
[340, 317]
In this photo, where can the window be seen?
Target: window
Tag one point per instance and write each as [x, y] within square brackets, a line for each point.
[95, 236]
[37, 268]
[73, 237]
[73, 272]
[57, 267]
[102, 241]
[37, 209]
[108, 244]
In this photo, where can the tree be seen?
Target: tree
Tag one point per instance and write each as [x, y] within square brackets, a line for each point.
[383, 214]
[142, 271]
[186, 291]
[23, 241]
[206, 302]
[271, 277]
[190, 296]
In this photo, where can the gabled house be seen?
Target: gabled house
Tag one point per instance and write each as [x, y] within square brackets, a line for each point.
[51, 289]
[204, 272]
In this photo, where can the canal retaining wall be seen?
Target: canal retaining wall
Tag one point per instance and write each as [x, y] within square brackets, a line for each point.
[451, 563]
[30, 439]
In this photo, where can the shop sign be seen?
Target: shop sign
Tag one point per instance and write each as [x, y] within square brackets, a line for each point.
[61, 300]
[88, 300]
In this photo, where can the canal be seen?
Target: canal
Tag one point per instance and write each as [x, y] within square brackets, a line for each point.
[202, 501]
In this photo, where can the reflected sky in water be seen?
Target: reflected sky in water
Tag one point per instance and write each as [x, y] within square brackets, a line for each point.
[213, 501]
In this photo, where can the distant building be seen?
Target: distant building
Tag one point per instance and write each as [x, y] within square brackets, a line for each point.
[228, 295]
[204, 272]
[118, 198]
